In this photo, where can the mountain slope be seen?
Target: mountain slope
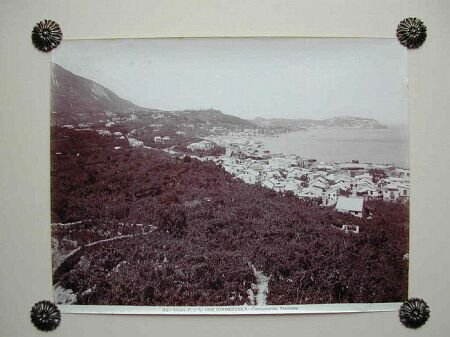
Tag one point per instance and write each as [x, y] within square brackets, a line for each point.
[76, 99]
[214, 118]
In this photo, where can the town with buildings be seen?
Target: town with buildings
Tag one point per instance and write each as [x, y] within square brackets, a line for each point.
[344, 186]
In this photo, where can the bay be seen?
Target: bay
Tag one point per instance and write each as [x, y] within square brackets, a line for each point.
[377, 146]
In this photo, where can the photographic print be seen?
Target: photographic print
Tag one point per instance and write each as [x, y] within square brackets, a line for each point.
[229, 172]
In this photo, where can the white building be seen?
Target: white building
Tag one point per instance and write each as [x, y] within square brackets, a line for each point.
[269, 173]
[320, 183]
[273, 185]
[311, 192]
[342, 178]
[369, 192]
[249, 176]
[134, 142]
[353, 206]
[390, 192]
[344, 186]
[396, 192]
[295, 173]
[291, 185]
[203, 145]
[331, 197]
[403, 191]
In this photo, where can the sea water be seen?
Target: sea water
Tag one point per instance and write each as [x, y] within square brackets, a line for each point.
[377, 146]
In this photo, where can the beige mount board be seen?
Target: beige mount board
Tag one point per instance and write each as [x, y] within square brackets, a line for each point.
[25, 180]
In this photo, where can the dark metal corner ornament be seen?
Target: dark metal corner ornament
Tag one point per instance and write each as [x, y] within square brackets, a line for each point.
[414, 312]
[411, 32]
[46, 35]
[45, 316]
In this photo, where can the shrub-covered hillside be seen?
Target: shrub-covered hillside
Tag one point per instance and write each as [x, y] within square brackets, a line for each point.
[136, 226]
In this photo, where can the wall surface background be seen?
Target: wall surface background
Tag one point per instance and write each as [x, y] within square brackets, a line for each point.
[25, 271]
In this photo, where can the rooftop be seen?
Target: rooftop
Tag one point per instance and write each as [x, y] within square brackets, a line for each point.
[350, 204]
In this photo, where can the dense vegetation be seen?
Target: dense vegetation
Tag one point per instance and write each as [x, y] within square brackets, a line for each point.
[210, 228]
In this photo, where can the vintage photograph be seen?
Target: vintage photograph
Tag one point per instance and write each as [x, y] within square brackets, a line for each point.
[229, 172]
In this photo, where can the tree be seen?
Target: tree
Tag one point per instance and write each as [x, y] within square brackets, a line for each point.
[174, 220]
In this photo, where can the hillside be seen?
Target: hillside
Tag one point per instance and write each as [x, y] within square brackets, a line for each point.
[214, 118]
[76, 99]
[136, 226]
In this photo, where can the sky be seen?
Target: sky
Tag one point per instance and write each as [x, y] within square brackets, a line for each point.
[313, 78]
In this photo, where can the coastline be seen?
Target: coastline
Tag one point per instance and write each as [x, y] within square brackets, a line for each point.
[338, 145]
[248, 158]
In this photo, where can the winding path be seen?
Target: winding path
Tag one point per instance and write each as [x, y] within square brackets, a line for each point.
[261, 288]
[95, 243]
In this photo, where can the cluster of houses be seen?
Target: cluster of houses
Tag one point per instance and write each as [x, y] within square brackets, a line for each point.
[344, 186]
[129, 137]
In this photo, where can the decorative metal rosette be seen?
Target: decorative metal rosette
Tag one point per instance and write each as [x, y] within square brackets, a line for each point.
[46, 35]
[45, 316]
[414, 312]
[411, 32]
